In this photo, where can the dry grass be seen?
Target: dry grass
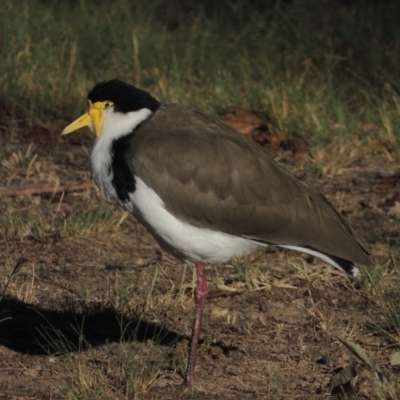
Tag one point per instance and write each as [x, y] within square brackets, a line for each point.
[88, 307]
[96, 313]
[313, 76]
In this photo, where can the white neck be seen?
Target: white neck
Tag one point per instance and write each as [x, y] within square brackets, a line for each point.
[115, 126]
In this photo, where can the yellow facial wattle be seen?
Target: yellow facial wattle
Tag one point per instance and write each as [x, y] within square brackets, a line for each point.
[93, 116]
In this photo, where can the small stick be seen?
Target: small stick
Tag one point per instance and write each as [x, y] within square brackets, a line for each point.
[23, 190]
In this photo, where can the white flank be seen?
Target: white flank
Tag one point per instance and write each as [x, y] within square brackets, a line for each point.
[189, 242]
[355, 271]
[115, 125]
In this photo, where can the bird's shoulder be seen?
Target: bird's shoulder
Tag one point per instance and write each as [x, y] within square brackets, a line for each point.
[205, 171]
[182, 144]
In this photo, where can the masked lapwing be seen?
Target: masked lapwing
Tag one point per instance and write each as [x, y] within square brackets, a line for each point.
[205, 192]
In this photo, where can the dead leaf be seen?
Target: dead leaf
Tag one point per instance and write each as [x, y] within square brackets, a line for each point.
[275, 139]
[395, 359]
[357, 351]
[389, 182]
[296, 146]
[368, 340]
[344, 380]
[245, 121]
[378, 144]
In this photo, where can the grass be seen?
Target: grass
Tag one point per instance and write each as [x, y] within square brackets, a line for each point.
[74, 265]
[389, 323]
[121, 369]
[105, 340]
[323, 72]
[87, 218]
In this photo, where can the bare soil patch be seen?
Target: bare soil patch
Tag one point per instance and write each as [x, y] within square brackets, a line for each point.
[94, 303]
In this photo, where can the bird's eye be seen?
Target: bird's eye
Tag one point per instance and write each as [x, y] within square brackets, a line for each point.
[108, 104]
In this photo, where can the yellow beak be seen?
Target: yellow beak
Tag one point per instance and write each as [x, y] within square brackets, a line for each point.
[93, 116]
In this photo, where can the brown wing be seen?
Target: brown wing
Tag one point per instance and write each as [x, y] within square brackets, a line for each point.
[211, 176]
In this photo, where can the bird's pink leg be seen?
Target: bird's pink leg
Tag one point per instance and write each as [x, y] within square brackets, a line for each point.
[200, 295]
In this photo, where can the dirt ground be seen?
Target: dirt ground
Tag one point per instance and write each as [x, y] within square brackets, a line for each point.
[99, 312]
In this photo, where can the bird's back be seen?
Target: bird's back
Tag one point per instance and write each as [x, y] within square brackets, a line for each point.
[210, 176]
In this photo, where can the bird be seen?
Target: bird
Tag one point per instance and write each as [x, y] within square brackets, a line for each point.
[206, 192]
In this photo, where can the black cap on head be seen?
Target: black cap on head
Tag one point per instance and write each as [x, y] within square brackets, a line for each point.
[125, 97]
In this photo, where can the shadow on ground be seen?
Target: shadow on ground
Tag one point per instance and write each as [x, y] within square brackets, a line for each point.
[30, 329]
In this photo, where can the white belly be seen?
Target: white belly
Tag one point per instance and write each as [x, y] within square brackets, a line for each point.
[185, 241]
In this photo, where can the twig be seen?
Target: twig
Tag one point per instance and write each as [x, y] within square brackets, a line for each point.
[23, 190]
